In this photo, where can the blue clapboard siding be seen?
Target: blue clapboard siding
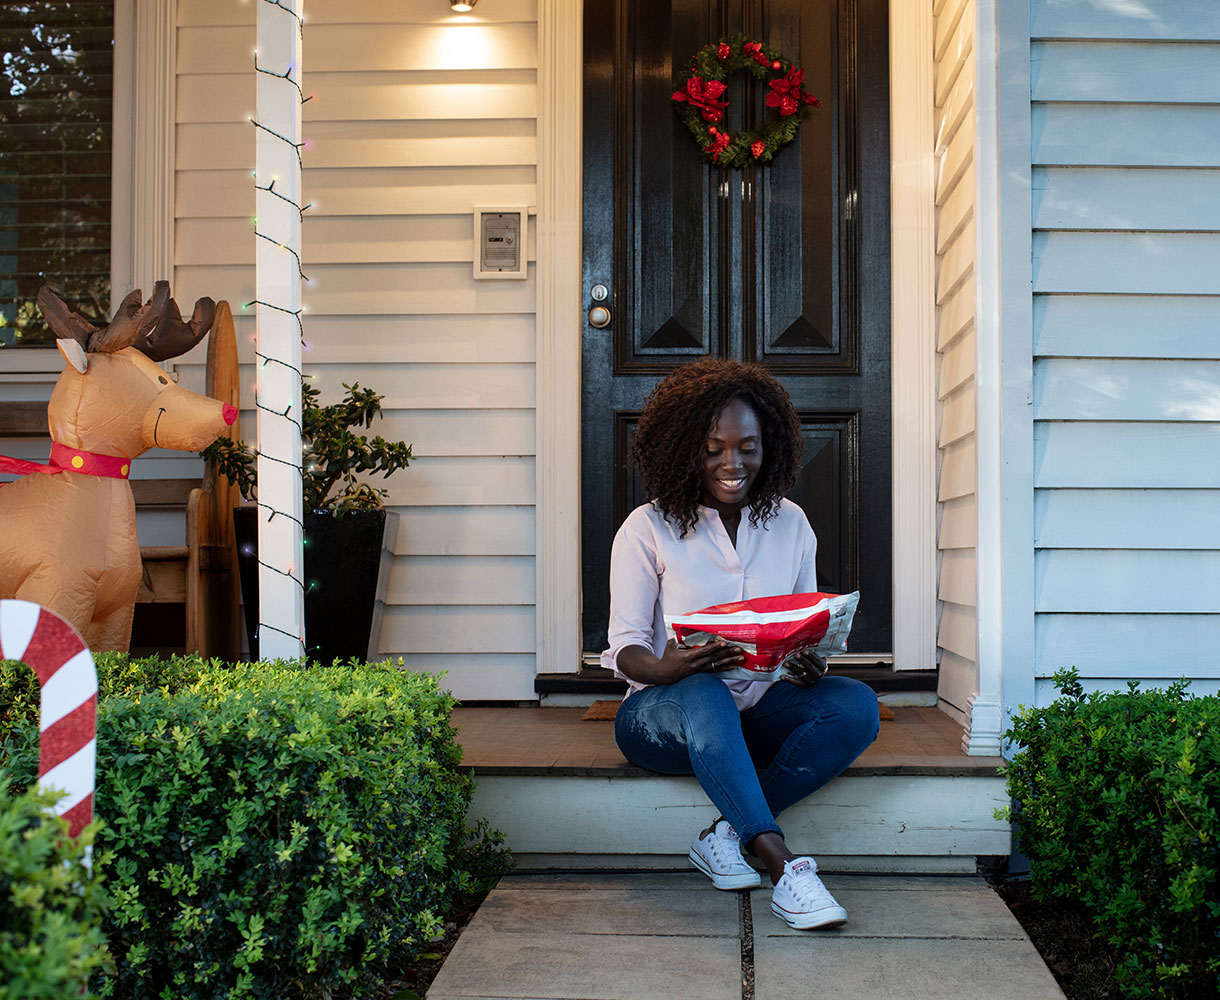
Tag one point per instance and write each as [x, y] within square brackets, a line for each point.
[1125, 160]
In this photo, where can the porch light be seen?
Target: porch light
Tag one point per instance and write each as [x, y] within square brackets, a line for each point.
[461, 6]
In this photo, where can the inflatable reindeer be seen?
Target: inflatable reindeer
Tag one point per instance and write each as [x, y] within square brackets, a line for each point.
[68, 529]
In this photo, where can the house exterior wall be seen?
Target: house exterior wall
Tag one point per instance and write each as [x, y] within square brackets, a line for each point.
[1125, 160]
[417, 116]
[956, 346]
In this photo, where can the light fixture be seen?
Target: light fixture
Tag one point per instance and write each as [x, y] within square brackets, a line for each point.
[461, 6]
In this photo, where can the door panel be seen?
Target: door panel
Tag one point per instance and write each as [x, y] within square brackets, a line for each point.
[786, 264]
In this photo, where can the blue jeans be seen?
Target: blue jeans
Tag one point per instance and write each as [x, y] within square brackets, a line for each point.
[799, 738]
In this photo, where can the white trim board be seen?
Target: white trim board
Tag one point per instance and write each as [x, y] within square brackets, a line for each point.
[913, 311]
[142, 162]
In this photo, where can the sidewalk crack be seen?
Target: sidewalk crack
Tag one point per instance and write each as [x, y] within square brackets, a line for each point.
[747, 947]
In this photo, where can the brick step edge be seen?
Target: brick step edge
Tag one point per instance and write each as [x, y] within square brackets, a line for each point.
[595, 680]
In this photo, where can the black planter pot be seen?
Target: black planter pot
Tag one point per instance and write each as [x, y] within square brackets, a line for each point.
[344, 584]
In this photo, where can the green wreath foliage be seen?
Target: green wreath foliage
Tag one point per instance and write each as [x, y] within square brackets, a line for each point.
[698, 101]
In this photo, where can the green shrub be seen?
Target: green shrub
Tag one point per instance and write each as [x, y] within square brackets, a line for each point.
[117, 674]
[273, 831]
[49, 904]
[1117, 798]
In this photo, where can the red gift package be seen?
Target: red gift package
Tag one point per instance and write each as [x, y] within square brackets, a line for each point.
[770, 629]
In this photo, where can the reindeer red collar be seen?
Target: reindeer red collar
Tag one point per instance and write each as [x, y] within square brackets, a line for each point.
[68, 540]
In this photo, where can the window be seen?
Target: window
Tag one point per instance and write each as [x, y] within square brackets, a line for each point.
[55, 135]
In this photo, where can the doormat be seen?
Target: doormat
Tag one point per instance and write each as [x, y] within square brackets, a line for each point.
[886, 713]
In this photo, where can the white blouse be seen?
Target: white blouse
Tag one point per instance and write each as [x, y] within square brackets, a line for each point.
[654, 573]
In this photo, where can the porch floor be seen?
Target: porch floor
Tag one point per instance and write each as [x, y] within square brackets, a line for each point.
[556, 742]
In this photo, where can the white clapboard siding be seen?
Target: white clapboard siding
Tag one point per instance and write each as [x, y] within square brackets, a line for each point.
[454, 579]
[957, 362]
[1126, 380]
[958, 579]
[466, 531]
[958, 523]
[957, 631]
[957, 683]
[435, 386]
[457, 629]
[957, 415]
[384, 47]
[347, 239]
[493, 677]
[958, 470]
[417, 115]
[461, 481]
[436, 433]
[323, 12]
[957, 530]
[343, 290]
[489, 338]
[1127, 519]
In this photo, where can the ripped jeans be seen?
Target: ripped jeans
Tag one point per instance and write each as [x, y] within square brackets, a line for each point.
[799, 738]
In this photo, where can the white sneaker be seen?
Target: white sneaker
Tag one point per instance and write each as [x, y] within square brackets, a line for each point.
[718, 856]
[800, 899]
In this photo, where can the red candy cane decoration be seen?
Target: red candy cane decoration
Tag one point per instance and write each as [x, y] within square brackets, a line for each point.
[54, 650]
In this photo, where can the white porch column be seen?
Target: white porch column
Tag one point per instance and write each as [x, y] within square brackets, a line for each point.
[557, 364]
[913, 332]
[1004, 372]
[277, 386]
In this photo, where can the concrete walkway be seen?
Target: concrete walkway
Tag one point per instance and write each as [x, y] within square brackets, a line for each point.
[671, 936]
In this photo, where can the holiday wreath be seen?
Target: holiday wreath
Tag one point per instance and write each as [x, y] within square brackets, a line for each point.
[700, 101]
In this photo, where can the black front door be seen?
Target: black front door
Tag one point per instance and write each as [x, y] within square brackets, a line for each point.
[785, 264]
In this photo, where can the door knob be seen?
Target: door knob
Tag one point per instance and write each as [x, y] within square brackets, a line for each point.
[599, 317]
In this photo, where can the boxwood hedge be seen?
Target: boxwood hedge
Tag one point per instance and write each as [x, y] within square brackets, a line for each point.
[1117, 800]
[49, 903]
[270, 830]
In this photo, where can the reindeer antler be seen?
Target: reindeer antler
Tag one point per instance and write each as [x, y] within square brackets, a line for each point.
[172, 337]
[156, 327]
[131, 324]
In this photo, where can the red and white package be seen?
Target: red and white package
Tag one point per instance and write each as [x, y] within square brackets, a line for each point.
[770, 629]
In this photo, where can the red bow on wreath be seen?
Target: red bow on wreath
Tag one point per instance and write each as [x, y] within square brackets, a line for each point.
[704, 94]
[787, 95]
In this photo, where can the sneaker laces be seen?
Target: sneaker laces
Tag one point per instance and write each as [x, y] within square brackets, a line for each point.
[804, 884]
[725, 846]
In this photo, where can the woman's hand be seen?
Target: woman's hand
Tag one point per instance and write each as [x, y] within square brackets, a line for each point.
[804, 668]
[712, 657]
[677, 661]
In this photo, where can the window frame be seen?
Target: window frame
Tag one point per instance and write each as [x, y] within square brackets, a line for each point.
[141, 160]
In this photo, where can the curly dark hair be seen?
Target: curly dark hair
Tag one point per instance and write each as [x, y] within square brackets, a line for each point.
[677, 418]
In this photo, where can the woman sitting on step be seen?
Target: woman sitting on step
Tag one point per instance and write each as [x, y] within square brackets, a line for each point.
[719, 444]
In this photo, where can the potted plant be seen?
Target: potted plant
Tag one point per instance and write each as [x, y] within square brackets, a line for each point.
[346, 524]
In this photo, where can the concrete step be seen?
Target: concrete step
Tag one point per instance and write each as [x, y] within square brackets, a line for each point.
[561, 791]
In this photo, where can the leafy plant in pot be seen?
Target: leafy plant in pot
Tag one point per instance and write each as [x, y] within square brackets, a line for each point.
[346, 523]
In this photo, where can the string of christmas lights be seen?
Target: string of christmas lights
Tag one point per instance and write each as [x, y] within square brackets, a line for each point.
[279, 120]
